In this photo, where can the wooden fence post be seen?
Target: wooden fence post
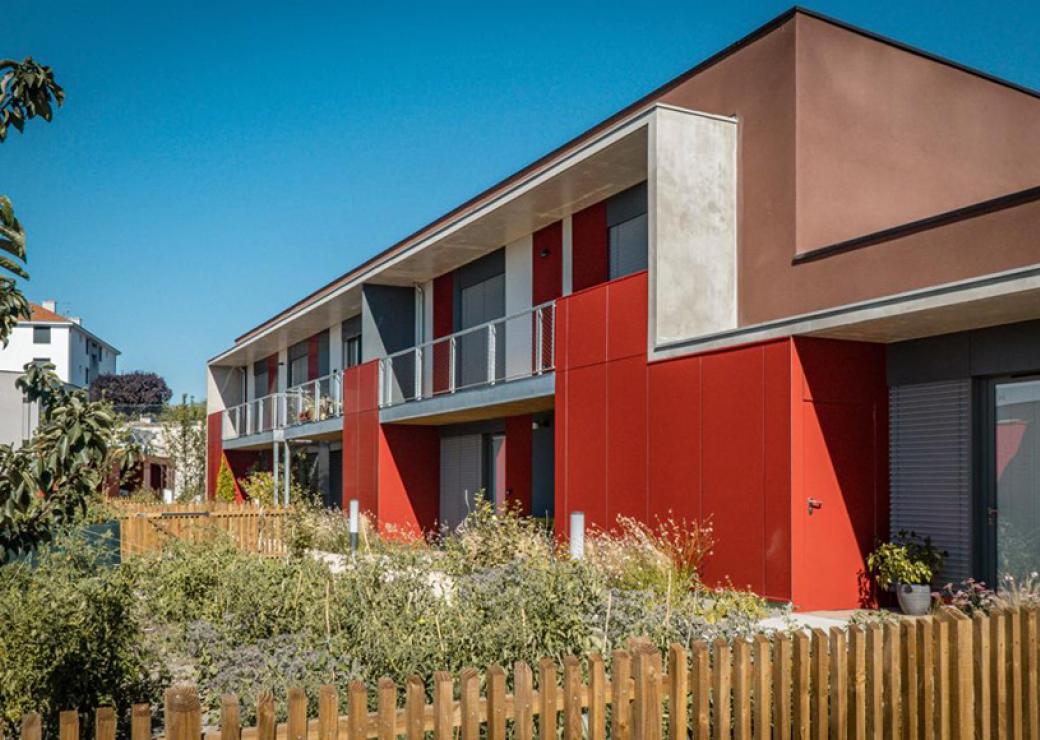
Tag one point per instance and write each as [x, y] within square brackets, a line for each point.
[296, 727]
[597, 698]
[721, 674]
[1013, 624]
[328, 713]
[893, 686]
[265, 726]
[68, 725]
[183, 715]
[909, 659]
[962, 681]
[230, 724]
[763, 697]
[1031, 677]
[983, 675]
[572, 726]
[470, 704]
[678, 688]
[741, 689]
[839, 703]
[415, 707]
[496, 704]
[31, 726]
[820, 670]
[800, 686]
[700, 682]
[386, 709]
[523, 703]
[646, 705]
[357, 711]
[782, 675]
[620, 706]
[857, 724]
[141, 722]
[925, 678]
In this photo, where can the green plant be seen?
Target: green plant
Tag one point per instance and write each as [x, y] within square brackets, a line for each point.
[71, 637]
[225, 483]
[906, 559]
[258, 486]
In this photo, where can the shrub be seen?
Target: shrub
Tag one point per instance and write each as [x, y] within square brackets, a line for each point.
[259, 487]
[665, 558]
[906, 559]
[225, 483]
[71, 637]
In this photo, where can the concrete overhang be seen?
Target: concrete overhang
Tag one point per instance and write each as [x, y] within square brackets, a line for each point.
[319, 431]
[525, 396]
[601, 166]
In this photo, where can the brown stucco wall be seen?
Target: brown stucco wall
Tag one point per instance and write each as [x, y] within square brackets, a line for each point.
[843, 135]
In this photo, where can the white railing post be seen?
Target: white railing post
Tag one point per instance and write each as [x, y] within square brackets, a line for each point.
[540, 354]
[491, 354]
[316, 416]
[451, 365]
[418, 370]
[552, 336]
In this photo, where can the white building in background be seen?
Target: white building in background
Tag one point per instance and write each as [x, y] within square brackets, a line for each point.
[78, 355]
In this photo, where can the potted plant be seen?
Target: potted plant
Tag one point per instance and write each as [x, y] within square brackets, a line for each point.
[907, 564]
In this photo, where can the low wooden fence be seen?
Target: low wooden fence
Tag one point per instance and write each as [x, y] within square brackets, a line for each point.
[947, 676]
[253, 529]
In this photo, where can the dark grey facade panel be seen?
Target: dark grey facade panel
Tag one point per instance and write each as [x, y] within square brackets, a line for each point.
[999, 350]
[627, 205]
[389, 312]
[930, 468]
[351, 327]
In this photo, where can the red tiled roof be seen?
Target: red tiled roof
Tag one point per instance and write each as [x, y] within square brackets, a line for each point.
[39, 313]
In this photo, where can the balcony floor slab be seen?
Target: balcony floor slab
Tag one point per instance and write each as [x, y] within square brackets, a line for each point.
[523, 396]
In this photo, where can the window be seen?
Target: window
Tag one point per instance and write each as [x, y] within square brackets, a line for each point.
[41, 335]
[627, 237]
[298, 363]
[350, 331]
[352, 351]
[260, 378]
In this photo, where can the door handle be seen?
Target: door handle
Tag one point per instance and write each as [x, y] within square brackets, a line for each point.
[814, 504]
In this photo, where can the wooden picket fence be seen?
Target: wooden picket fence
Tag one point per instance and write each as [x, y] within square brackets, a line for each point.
[946, 676]
[253, 529]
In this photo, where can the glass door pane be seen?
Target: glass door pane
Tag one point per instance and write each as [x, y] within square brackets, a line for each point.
[1017, 467]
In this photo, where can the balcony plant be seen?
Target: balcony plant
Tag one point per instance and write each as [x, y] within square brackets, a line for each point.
[907, 564]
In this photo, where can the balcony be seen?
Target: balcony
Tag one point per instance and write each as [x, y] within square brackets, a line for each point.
[511, 348]
[314, 401]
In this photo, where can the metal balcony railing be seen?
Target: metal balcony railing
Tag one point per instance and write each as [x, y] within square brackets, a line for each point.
[315, 400]
[517, 346]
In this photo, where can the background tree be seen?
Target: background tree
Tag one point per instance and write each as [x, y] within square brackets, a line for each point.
[46, 482]
[132, 393]
[184, 431]
[27, 90]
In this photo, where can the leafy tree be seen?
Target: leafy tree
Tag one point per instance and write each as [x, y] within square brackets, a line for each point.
[47, 481]
[185, 434]
[129, 393]
[27, 90]
[225, 483]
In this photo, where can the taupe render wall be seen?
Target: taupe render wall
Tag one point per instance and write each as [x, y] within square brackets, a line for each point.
[789, 136]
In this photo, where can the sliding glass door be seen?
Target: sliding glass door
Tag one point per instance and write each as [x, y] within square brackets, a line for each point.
[1012, 514]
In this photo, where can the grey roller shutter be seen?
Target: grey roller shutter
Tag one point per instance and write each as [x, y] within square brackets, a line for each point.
[461, 477]
[930, 468]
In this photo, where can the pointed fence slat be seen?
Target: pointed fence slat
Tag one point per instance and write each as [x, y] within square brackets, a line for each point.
[948, 675]
[763, 698]
[700, 682]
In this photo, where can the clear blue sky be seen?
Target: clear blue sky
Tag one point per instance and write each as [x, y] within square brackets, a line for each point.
[215, 162]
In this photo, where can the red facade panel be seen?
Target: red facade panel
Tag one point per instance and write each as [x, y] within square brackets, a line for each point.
[626, 315]
[409, 478]
[733, 448]
[518, 462]
[547, 263]
[214, 450]
[777, 469]
[590, 255]
[586, 342]
[586, 446]
[674, 442]
[626, 459]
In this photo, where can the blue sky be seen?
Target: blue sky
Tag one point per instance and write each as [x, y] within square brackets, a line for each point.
[215, 162]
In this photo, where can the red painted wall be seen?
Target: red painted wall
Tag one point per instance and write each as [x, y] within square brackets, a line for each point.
[740, 436]
[547, 263]
[590, 257]
[518, 461]
[272, 373]
[214, 450]
[392, 470]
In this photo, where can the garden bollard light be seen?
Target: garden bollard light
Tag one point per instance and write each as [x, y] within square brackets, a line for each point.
[577, 534]
[353, 524]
